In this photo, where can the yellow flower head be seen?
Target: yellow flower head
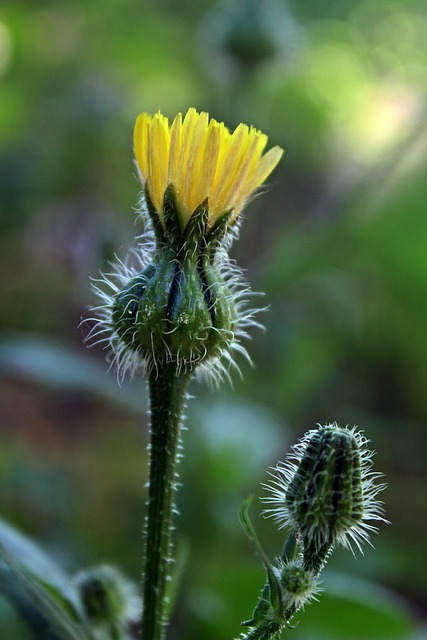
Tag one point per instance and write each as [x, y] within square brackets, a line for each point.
[203, 160]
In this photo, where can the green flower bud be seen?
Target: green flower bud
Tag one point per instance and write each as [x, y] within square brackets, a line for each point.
[178, 308]
[108, 598]
[326, 492]
[299, 585]
[168, 313]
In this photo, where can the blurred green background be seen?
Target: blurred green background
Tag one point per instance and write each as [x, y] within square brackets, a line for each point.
[338, 244]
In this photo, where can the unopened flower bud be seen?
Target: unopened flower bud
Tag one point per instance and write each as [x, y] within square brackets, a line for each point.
[326, 492]
[108, 598]
[178, 308]
[299, 585]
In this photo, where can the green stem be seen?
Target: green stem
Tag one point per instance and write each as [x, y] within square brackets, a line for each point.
[167, 395]
[268, 630]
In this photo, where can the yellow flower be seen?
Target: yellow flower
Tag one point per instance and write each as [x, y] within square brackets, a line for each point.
[203, 160]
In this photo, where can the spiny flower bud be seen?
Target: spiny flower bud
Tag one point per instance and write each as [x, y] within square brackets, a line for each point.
[299, 585]
[326, 492]
[179, 308]
[182, 303]
[108, 598]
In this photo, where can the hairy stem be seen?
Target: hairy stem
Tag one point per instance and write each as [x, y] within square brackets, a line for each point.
[268, 630]
[167, 395]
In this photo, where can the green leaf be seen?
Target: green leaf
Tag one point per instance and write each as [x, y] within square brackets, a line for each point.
[45, 361]
[32, 580]
[41, 599]
[36, 562]
[276, 599]
[290, 550]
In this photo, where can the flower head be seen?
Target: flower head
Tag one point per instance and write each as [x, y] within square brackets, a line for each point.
[326, 490]
[203, 160]
[182, 302]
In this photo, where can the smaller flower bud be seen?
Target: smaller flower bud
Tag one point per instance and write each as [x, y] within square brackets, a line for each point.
[326, 492]
[108, 598]
[299, 585]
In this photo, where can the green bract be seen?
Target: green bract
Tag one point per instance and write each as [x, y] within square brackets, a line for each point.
[178, 308]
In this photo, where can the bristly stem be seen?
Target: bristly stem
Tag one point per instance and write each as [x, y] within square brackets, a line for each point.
[268, 630]
[167, 396]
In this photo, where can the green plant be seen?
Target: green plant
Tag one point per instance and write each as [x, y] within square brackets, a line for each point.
[178, 310]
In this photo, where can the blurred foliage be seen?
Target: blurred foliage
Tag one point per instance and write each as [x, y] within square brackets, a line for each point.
[338, 244]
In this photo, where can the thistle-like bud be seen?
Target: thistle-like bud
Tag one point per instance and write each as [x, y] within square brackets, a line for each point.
[108, 598]
[298, 585]
[326, 492]
[178, 308]
[182, 304]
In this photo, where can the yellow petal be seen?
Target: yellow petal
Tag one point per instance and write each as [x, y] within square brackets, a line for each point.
[158, 146]
[208, 164]
[194, 165]
[265, 167]
[175, 148]
[187, 132]
[248, 163]
[141, 142]
[226, 171]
